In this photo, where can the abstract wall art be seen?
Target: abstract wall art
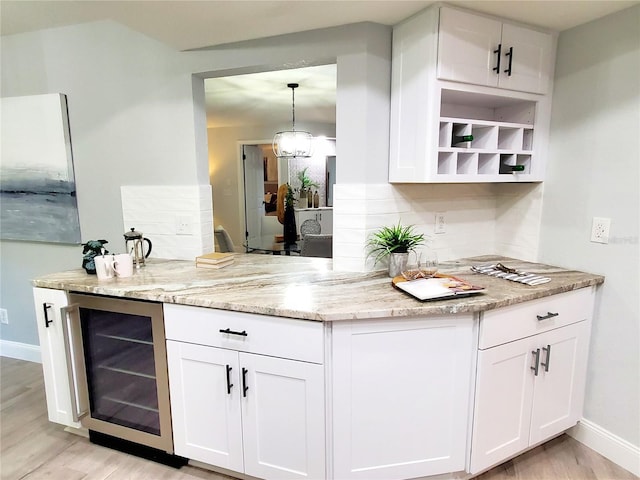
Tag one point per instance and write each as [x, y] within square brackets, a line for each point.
[37, 183]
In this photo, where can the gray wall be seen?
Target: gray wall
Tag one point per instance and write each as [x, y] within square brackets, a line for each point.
[594, 170]
[137, 118]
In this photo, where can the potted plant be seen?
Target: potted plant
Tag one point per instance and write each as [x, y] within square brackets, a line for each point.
[394, 242]
[290, 232]
[305, 184]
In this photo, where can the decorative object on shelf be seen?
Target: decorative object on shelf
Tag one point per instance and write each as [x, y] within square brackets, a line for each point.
[394, 242]
[90, 250]
[316, 199]
[305, 188]
[293, 143]
[134, 243]
[289, 230]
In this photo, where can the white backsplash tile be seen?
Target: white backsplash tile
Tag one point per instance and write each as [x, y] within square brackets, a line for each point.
[156, 210]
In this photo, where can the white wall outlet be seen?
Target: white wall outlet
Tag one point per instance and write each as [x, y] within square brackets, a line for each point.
[4, 316]
[184, 225]
[600, 230]
[440, 224]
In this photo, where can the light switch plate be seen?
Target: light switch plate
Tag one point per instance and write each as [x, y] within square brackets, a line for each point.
[440, 223]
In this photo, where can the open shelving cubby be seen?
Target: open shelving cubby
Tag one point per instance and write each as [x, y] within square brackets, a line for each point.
[503, 136]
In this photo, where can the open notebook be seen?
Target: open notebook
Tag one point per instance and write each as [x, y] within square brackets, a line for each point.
[438, 288]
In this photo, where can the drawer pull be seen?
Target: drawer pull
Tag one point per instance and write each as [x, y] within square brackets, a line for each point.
[244, 382]
[233, 332]
[45, 308]
[545, 364]
[536, 354]
[541, 317]
[229, 384]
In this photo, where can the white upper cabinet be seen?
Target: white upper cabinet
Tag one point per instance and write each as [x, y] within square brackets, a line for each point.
[483, 51]
[457, 74]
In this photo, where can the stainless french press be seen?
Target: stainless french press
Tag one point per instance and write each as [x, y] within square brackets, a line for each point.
[135, 245]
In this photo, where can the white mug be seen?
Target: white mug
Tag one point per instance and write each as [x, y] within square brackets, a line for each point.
[123, 265]
[104, 266]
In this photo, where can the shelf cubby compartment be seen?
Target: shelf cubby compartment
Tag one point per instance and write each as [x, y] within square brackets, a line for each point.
[488, 163]
[446, 163]
[527, 139]
[459, 129]
[485, 137]
[446, 130]
[467, 163]
[510, 138]
[509, 160]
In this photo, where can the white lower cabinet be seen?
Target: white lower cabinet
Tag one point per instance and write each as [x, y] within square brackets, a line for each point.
[401, 396]
[51, 333]
[531, 389]
[251, 413]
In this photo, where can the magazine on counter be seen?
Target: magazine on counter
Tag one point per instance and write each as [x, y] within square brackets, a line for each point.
[438, 288]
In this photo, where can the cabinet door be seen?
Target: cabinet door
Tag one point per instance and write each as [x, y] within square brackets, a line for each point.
[205, 405]
[52, 349]
[282, 417]
[532, 54]
[401, 392]
[466, 47]
[325, 217]
[559, 387]
[504, 391]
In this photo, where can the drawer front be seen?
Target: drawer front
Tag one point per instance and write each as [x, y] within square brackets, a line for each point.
[245, 332]
[525, 319]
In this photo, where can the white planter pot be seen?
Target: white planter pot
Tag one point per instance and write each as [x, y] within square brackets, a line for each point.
[397, 263]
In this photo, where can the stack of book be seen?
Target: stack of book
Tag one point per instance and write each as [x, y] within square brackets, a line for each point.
[214, 260]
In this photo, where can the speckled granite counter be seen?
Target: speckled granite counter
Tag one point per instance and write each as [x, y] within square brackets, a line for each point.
[308, 288]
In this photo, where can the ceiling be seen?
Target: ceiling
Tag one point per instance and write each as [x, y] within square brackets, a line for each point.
[189, 24]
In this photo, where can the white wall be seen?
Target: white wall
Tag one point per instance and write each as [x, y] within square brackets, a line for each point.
[594, 170]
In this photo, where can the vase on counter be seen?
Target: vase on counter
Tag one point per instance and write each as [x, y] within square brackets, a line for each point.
[397, 263]
[302, 199]
[290, 234]
[309, 200]
[316, 200]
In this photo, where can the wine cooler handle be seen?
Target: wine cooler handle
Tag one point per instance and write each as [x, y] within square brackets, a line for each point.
[45, 308]
[510, 55]
[78, 391]
[498, 53]
[244, 382]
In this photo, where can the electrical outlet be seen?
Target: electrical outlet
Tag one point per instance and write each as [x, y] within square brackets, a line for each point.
[600, 230]
[4, 316]
[184, 225]
[440, 224]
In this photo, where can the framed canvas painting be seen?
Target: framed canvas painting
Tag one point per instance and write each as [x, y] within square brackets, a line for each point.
[37, 183]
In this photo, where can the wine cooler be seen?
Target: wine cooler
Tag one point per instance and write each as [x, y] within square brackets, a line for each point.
[118, 372]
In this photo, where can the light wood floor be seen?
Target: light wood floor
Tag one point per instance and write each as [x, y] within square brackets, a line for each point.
[33, 448]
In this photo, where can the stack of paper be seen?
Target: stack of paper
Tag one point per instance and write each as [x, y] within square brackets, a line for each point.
[214, 260]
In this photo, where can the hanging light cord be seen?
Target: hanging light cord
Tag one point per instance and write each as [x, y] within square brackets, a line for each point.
[293, 87]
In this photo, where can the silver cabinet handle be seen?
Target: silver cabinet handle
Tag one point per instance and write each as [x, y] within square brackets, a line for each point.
[546, 363]
[536, 355]
[78, 391]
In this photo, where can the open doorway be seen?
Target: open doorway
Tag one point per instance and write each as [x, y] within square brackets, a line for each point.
[256, 106]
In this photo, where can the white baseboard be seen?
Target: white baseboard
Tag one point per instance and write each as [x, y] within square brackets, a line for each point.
[616, 449]
[21, 351]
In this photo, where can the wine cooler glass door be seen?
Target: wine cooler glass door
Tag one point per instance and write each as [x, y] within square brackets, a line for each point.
[121, 371]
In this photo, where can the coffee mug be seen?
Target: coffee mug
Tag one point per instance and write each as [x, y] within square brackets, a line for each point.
[104, 266]
[123, 265]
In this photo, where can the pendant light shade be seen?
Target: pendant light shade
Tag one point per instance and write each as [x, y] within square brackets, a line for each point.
[293, 143]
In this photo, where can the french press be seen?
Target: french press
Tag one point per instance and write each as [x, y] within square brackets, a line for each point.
[134, 242]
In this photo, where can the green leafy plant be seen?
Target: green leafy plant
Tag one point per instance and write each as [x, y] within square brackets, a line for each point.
[289, 198]
[394, 239]
[305, 180]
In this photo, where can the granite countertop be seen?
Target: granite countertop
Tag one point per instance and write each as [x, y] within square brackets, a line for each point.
[308, 288]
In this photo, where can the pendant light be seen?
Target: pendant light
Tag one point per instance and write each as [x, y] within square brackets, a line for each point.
[293, 143]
